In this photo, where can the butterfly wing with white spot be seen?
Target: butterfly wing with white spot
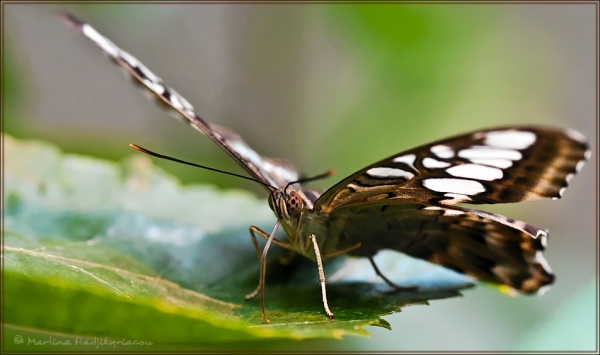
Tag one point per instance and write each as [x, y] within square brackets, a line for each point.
[272, 172]
[500, 165]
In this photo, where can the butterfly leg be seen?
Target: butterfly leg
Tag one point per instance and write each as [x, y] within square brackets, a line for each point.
[265, 235]
[255, 229]
[263, 266]
[321, 275]
[387, 281]
[343, 251]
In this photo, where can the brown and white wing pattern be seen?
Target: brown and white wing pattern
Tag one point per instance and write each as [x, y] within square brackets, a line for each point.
[404, 202]
[270, 171]
[500, 165]
[488, 247]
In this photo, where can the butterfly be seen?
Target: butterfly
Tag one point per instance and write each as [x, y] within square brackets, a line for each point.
[406, 202]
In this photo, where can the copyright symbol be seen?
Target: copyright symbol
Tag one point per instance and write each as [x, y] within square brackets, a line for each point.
[18, 339]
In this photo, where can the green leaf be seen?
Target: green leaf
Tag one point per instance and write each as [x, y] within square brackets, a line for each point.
[123, 251]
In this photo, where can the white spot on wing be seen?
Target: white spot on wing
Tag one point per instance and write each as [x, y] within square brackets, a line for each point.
[180, 103]
[455, 186]
[540, 233]
[561, 191]
[539, 258]
[579, 165]
[576, 135]
[543, 240]
[131, 60]
[453, 213]
[281, 171]
[174, 98]
[456, 198]
[175, 101]
[498, 163]
[149, 78]
[510, 139]
[432, 163]
[447, 211]
[154, 86]
[569, 177]
[543, 289]
[390, 172]
[150, 75]
[100, 40]
[442, 151]
[245, 152]
[482, 152]
[186, 105]
[406, 159]
[475, 171]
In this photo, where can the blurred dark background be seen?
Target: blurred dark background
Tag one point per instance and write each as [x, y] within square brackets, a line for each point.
[337, 86]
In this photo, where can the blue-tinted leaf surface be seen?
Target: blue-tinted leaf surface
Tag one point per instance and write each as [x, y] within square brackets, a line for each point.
[95, 248]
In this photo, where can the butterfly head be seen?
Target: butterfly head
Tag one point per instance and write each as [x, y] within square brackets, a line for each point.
[286, 204]
[289, 202]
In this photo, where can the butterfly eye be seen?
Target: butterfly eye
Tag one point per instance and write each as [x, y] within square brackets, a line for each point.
[294, 202]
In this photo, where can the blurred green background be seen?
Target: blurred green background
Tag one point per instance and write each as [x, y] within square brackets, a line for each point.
[337, 86]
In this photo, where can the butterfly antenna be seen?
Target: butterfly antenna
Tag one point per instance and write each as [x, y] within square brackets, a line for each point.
[326, 174]
[161, 156]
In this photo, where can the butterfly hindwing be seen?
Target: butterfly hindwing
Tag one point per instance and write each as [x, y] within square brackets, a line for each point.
[270, 171]
[485, 246]
[500, 165]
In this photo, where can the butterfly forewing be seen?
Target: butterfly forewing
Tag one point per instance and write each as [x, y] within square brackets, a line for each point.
[500, 165]
[271, 172]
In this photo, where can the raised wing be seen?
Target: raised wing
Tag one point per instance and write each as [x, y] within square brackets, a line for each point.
[486, 246]
[273, 172]
[500, 165]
